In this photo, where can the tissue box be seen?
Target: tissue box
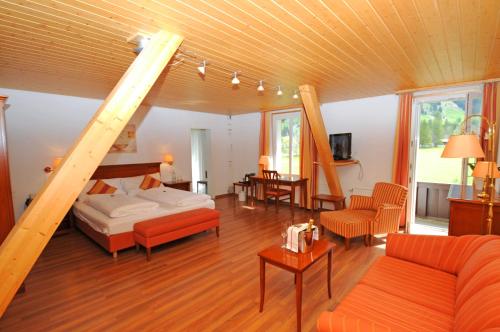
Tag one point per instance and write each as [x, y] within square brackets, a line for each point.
[295, 237]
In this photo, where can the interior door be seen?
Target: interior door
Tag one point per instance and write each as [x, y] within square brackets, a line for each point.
[200, 160]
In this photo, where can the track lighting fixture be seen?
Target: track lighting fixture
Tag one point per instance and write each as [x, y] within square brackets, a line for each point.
[235, 79]
[202, 67]
[260, 88]
[279, 93]
[295, 95]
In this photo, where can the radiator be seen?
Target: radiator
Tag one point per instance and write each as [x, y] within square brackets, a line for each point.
[361, 191]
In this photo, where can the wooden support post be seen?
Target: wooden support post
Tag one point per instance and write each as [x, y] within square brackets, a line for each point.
[28, 238]
[313, 112]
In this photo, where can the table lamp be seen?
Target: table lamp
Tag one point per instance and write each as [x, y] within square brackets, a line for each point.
[167, 170]
[169, 159]
[485, 170]
[466, 145]
[265, 161]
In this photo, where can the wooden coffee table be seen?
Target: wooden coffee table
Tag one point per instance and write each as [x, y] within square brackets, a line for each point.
[296, 263]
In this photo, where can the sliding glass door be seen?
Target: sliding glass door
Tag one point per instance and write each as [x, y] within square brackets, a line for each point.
[436, 117]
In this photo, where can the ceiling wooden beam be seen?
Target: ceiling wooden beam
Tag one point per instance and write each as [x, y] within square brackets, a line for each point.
[28, 238]
[313, 112]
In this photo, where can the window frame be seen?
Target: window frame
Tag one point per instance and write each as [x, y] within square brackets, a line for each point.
[276, 118]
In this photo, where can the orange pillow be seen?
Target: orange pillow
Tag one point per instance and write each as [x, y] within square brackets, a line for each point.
[101, 187]
[149, 182]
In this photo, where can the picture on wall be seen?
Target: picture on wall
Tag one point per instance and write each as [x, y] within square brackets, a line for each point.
[126, 141]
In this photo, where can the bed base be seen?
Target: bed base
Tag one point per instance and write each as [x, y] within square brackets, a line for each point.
[111, 243]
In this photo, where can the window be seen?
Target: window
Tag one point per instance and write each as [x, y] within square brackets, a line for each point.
[286, 142]
[440, 116]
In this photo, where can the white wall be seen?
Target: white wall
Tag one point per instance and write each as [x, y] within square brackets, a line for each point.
[245, 144]
[372, 122]
[42, 126]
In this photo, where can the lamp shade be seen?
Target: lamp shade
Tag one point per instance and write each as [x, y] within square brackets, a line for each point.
[168, 158]
[56, 162]
[486, 168]
[265, 160]
[463, 146]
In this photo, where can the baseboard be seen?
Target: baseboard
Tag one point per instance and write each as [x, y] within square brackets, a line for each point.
[224, 195]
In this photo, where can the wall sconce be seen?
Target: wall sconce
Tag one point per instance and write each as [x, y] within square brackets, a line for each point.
[169, 159]
[55, 164]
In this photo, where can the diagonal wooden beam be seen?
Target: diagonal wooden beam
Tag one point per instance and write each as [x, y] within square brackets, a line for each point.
[313, 112]
[23, 246]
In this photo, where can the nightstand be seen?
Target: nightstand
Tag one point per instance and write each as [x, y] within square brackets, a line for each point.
[181, 185]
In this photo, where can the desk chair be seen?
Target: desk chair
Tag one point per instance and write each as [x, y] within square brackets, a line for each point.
[272, 188]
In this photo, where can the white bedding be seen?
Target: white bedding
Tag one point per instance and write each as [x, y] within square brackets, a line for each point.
[171, 196]
[120, 205]
[109, 226]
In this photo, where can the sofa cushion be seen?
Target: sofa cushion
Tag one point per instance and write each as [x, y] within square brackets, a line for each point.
[393, 312]
[480, 312]
[419, 284]
[348, 223]
[487, 275]
[161, 225]
[486, 253]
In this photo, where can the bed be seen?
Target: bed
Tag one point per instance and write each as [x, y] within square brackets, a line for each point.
[114, 234]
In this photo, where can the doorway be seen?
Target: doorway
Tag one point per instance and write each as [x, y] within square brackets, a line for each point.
[200, 161]
[438, 115]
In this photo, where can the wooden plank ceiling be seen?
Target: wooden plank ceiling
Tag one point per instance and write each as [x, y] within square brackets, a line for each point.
[347, 49]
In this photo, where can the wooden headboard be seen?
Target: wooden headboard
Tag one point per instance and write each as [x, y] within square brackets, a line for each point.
[125, 171]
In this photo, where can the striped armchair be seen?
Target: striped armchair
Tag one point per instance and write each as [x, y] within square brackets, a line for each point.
[368, 215]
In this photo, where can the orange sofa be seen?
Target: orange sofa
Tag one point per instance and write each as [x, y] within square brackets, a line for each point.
[425, 283]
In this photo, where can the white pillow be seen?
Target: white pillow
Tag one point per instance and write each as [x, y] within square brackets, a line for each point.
[112, 182]
[132, 185]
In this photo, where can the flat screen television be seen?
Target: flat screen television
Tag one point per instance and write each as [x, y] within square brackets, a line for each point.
[340, 144]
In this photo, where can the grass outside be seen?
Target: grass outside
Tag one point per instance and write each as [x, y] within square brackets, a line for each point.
[295, 165]
[432, 168]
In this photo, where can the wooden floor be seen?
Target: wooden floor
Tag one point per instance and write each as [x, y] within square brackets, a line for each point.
[200, 283]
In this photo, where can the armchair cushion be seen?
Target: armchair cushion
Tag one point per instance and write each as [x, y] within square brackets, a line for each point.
[348, 223]
[359, 202]
[388, 193]
[423, 285]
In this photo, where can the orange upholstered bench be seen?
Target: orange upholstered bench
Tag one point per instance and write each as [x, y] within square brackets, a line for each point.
[161, 230]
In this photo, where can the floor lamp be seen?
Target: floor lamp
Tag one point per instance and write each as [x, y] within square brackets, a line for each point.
[466, 145]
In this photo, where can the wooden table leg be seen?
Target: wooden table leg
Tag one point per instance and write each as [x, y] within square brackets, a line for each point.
[292, 196]
[329, 276]
[298, 293]
[252, 183]
[262, 282]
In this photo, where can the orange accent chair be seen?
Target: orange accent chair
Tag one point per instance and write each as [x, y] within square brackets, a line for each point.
[368, 215]
[425, 283]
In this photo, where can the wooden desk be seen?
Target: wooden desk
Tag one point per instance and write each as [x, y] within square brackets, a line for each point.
[181, 185]
[296, 263]
[468, 213]
[285, 180]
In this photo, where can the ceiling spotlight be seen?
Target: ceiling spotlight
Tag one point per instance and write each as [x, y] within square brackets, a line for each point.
[142, 41]
[202, 68]
[295, 95]
[279, 93]
[260, 88]
[235, 79]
